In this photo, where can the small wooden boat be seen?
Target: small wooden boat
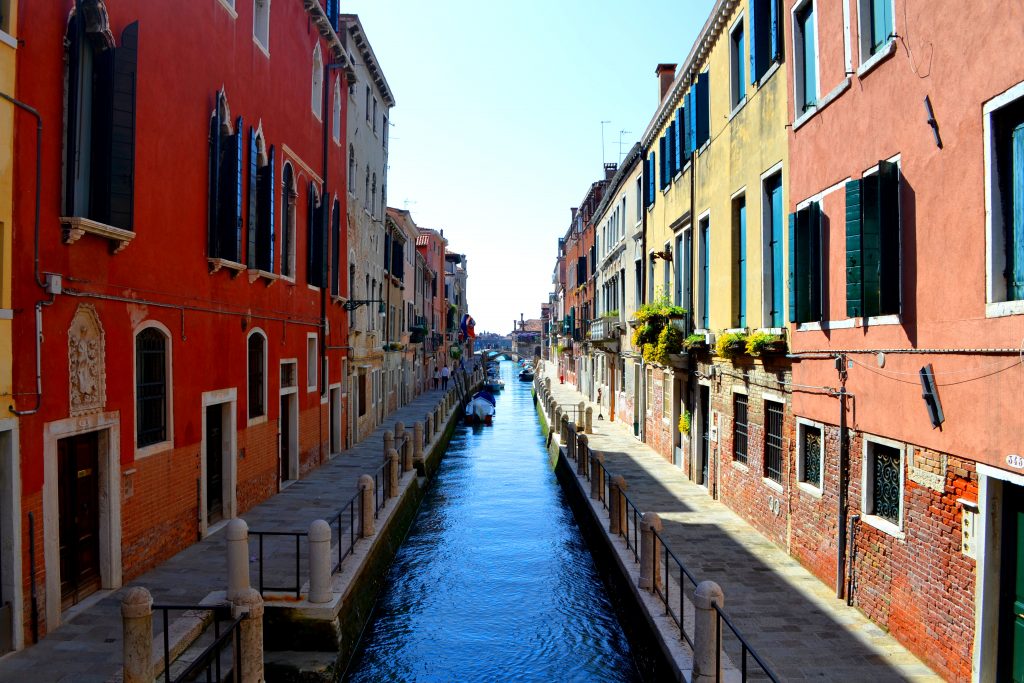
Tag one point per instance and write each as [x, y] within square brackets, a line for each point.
[481, 408]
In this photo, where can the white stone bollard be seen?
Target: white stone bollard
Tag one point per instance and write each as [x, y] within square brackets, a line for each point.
[389, 442]
[393, 469]
[579, 416]
[429, 421]
[595, 475]
[417, 442]
[137, 623]
[366, 486]
[588, 424]
[237, 534]
[251, 636]
[650, 573]
[705, 635]
[319, 539]
[615, 505]
[582, 451]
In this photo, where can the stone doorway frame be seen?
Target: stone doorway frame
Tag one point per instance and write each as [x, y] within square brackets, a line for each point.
[228, 400]
[10, 535]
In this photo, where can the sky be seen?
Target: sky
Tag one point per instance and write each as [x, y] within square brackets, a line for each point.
[497, 131]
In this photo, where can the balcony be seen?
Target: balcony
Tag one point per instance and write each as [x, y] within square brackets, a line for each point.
[606, 332]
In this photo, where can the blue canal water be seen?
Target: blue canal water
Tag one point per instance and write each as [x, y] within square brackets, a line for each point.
[494, 581]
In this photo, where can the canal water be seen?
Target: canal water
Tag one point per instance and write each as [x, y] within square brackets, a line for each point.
[494, 581]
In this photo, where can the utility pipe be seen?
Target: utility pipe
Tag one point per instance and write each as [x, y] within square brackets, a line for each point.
[844, 459]
[39, 152]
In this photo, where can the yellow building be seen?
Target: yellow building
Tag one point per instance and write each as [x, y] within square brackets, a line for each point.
[715, 244]
[11, 607]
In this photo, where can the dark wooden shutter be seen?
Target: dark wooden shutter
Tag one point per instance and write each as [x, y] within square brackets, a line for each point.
[270, 215]
[794, 315]
[1015, 227]
[889, 238]
[121, 176]
[213, 219]
[73, 114]
[813, 278]
[322, 227]
[250, 252]
[854, 259]
[100, 118]
[870, 244]
[703, 109]
[662, 164]
[230, 243]
[677, 140]
[310, 235]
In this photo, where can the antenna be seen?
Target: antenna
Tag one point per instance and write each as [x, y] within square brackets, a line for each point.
[602, 141]
[621, 133]
[407, 203]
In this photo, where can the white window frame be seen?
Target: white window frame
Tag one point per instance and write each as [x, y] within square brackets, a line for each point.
[259, 419]
[801, 110]
[701, 294]
[168, 442]
[766, 280]
[261, 25]
[869, 61]
[312, 361]
[802, 423]
[336, 119]
[316, 103]
[735, 103]
[229, 5]
[996, 304]
[867, 490]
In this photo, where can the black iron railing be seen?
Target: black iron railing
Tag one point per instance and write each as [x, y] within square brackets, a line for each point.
[745, 649]
[381, 487]
[264, 585]
[347, 511]
[674, 571]
[630, 529]
[226, 632]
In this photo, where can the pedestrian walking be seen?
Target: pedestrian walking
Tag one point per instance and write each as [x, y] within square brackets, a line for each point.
[445, 374]
[437, 378]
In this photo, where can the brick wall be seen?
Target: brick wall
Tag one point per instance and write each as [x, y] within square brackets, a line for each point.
[258, 464]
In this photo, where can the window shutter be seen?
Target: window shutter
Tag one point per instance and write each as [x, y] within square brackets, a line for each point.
[776, 33]
[670, 142]
[269, 203]
[813, 239]
[1015, 241]
[321, 221]
[122, 130]
[236, 242]
[213, 219]
[250, 251]
[310, 236]
[71, 141]
[691, 121]
[753, 40]
[703, 109]
[794, 316]
[677, 140]
[889, 238]
[662, 164]
[870, 244]
[335, 247]
[854, 263]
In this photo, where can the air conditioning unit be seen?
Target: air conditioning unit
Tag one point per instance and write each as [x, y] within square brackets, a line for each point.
[709, 338]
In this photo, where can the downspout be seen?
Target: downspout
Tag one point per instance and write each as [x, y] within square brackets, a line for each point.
[692, 302]
[844, 459]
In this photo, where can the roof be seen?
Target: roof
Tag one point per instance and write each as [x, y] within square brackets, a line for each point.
[354, 28]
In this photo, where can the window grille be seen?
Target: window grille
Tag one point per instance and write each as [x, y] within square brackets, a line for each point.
[739, 428]
[150, 387]
[773, 441]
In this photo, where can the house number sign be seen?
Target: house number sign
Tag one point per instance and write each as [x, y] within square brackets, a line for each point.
[1015, 461]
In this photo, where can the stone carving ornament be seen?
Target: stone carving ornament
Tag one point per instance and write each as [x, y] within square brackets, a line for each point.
[87, 368]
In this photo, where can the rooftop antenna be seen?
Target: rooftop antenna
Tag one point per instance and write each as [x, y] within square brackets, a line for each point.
[621, 133]
[602, 141]
[407, 203]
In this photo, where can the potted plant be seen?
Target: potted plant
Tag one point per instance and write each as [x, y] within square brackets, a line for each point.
[670, 343]
[695, 343]
[684, 422]
[731, 345]
[765, 343]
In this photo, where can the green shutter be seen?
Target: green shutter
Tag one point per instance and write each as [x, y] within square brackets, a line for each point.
[792, 278]
[121, 179]
[1015, 233]
[889, 238]
[250, 252]
[854, 263]
[871, 245]
[213, 234]
[813, 240]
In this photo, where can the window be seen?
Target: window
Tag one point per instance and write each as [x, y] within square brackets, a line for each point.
[318, 83]
[650, 278]
[257, 374]
[261, 204]
[737, 57]
[805, 264]
[361, 384]
[374, 114]
[679, 137]
[373, 196]
[5, 17]
[366, 190]
[650, 390]
[225, 217]
[739, 273]
[151, 376]
[666, 395]
[771, 239]
[311, 362]
[873, 243]
[773, 441]
[352, 172]
[698, 128]
[1004, 158]
[316, 266]
[805, 47]
[649, 175]
[288, 197]
[739, 428]
[99, 168]
[876, 26]
[883, 481]
[765, 36]
[639, 195]
[683, 260]
[335, 247]
[704, 285]
[336, 113]
[261, 23]
[810, 454]
[384, 125]
[368, 96]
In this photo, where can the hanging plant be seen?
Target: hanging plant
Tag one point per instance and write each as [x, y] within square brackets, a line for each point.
[764, 343]
[731, 344]
[684, 422]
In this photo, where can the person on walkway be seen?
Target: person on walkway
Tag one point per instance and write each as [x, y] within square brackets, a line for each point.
[437, 378]
[445, 374]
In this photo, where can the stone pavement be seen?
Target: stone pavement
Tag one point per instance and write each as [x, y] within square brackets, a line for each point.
[86, 648]
[792, 619]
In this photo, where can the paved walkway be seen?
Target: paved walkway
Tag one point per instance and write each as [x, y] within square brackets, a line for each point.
[87, 647]
[793, 620]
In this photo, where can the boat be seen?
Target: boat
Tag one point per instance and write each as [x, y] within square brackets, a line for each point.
[526, 375]
[493, 385]
[481, 407]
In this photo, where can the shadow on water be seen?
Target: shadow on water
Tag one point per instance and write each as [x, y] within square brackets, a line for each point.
[495, 581]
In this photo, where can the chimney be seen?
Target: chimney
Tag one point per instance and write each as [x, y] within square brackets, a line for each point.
[609, 170]
[574, 210]
[666, 74]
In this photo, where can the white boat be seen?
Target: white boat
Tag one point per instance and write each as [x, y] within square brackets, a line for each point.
[481, 407]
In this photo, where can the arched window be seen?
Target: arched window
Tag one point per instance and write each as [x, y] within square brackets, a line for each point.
[316, 239]
[336, 119]
[373, 196]
[151, 405]
[366, 190]
[351, 169]
[288, 196]
[261, 23]
[318, 83]
[260, 249]
[257, 354]
[335, 247]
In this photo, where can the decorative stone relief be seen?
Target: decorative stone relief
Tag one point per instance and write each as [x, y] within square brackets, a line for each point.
[87, 362]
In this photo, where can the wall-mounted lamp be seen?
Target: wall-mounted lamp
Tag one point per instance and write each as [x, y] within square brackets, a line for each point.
[353, 304]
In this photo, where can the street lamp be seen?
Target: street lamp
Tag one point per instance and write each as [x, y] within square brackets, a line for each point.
[353, 304]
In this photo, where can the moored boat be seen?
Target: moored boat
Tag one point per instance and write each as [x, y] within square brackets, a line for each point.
[480, 408]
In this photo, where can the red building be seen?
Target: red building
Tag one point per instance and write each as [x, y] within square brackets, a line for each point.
[431, 244]
[187, 251]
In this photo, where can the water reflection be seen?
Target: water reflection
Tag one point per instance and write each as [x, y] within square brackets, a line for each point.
[494, 581]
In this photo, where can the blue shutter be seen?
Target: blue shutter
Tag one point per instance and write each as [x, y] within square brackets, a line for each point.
[854, 260]
[678, 139]
[793, 315]
[673, 164]
[236, 244]
[776, 217]
[213, 216]
[776, 36]
[1016, 232]
[741, 220]
[662, 164]
[691, 121]
[271, 215]
[250, 255]
[650, 181]
[813, 278]
[753, 39]
[703, 109]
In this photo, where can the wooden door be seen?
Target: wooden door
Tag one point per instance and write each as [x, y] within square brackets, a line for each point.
[214, 465]
[705, 434]
[284, 455]
[1011, 631]
[79, 520]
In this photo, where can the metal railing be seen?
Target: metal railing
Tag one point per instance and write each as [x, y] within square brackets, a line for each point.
[631, 529]
[675, 572]
[209, 660]
[745, 649]
[349, 510]
[381, 487]
[264, 586]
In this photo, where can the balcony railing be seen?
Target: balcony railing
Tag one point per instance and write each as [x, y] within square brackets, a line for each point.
[605, 330]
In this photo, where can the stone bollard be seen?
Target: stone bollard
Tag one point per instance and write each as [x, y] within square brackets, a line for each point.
[393, 465]
[595, 475]
[547, 383]
[251, 635]
[389, 442]
[705, 635]
[417, 441]
[237, 534]
[650, 573]
[563, 436]
[319, 539]
[579, 416]
[558, 419]
[402, 445]
[366, 486]
[137, 622]
[588, 424]
[615, 505]
[581, 454]
[429, 428]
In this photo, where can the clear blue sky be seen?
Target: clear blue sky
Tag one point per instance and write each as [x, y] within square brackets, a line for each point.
[497, 128]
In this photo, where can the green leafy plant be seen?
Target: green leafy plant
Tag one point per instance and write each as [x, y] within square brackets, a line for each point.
[694, 340]
[731, 344]
[611, 314]
[648, 353]
[670, 340]
[653, 318]
[559, 349]
[764, 342]
[684, 422]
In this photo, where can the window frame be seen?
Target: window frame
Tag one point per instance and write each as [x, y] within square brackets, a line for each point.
[167, 443]
[737, 63]
[740, 247]
[801, 107]
[997, 301]
[743, 460]
[802, 424]
[312, 362]
[869, 52]
[261, 20]
[317, 85]
[766, 472]
[867, 485]
[262, 417]
[767, 255]
[704, 271]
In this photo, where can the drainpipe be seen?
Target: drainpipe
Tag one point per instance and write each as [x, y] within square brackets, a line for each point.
[693, 231]
[844, 459]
